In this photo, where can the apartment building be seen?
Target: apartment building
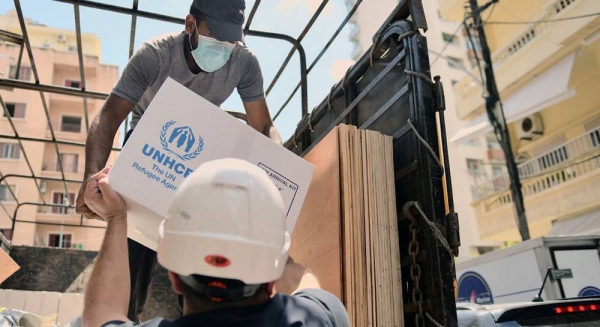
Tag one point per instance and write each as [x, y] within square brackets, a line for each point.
[46, 116]
[546, 57]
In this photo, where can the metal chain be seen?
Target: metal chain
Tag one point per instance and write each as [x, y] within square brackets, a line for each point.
[415, 269]
[415, 273]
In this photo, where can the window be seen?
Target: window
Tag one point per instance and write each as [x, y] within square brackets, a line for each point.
[448, 38]
[70, 162]
[60, 198]
[74, 84]
[54, 240]
[497, 171]
[5, 195]
[474, 166]
[10, 151]
[70, 124]
[15, 110]
[24, 73]
[455, 62]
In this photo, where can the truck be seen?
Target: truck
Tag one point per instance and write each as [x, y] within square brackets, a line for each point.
[545, 268]
[389, 89]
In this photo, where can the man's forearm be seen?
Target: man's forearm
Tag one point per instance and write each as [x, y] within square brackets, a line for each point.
[295, 278]
[98, 145]
[108, 288]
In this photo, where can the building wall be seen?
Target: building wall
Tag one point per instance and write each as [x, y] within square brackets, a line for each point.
[559, 173]
[56, 62]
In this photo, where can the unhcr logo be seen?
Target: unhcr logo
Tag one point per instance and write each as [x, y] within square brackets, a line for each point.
[180, 141]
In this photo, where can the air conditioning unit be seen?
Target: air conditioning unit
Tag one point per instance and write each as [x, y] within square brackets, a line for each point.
[530, 127]
[43, 187]
[62, 38]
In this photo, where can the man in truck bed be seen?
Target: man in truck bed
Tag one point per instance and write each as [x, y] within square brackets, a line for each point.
[209, 58]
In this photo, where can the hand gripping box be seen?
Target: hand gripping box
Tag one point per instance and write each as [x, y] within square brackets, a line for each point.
[178, 132]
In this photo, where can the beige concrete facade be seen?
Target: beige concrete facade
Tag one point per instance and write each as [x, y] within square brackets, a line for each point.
[57, 64]
[548, 74]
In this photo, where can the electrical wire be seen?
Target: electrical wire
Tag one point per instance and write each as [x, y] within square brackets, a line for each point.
[490, 14]
[493, 3]
[475, 53]
[542, 21]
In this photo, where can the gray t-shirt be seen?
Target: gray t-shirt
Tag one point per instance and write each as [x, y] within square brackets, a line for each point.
[158, 59]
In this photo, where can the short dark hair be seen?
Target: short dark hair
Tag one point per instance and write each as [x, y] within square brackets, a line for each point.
[201, 302]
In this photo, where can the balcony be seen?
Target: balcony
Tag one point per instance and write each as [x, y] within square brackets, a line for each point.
[532, 51]
[55, 167]
[558, 184]
[558, 194]
[542, 166]
[68, 131]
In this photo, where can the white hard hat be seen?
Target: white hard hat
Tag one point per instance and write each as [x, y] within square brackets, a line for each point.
[227, 220]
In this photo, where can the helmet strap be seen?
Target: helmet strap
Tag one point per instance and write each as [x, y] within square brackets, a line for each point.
[219, 291]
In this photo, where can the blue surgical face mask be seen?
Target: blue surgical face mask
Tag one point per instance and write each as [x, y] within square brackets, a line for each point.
[211, 54]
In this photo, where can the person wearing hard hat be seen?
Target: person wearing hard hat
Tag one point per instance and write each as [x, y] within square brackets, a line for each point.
[225, 245]
[211, 59]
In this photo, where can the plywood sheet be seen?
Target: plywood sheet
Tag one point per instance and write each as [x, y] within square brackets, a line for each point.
[347, 232]
[316, 237]
[7, 266]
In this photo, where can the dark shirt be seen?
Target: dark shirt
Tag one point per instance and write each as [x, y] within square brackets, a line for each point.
[307, 308]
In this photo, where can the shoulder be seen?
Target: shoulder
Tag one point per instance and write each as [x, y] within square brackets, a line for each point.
[319, 303]
[244, 55]
[165, 41]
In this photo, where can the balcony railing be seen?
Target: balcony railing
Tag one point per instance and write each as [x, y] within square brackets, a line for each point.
[531, 32]
[550, 180]
[56, 210]
[54, 166]
[570, 150]
[547, 162]
[70, 127]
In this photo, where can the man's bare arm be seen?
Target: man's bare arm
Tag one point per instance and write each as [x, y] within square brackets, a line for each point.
[107, 291]
[100, 141]
[260, 119]
[296, 278]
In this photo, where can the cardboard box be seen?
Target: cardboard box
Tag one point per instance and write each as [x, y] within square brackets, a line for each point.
[7, 266]
[178, 132]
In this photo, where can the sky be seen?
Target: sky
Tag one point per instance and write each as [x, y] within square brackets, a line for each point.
[282, 16]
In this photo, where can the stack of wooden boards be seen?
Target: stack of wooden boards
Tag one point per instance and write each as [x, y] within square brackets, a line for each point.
[347, 232]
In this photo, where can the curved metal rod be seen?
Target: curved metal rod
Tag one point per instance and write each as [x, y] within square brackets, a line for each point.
[15, 220]
[307, 28]
[303, 74]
